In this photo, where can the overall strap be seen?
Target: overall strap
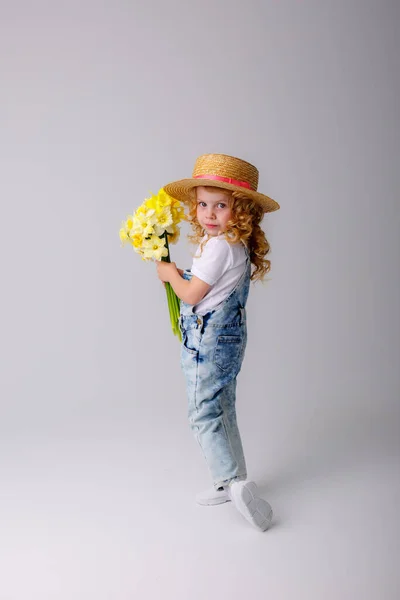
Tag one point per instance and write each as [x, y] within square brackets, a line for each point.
[246, 250]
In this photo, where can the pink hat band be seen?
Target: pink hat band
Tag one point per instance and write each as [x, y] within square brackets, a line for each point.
[243, 184]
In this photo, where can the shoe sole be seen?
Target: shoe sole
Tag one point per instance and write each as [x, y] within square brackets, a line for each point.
[213, 501]
[254, 509]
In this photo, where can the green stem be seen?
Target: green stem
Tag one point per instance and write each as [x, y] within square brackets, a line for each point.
[167, 291]
[170, 303]
[166, 258]
[168, 287]
[173, 301]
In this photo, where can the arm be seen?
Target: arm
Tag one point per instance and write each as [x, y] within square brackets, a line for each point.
[191, 291]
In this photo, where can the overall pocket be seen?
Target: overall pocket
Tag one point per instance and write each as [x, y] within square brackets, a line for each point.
[228, 352]
[188, 343]
[189, 356]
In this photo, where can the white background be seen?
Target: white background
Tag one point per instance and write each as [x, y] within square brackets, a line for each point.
[101, 102]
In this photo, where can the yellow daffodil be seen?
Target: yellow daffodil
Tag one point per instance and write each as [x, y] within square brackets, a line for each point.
[164, 220]
[178, 215]
[164, 199]
[136, 239]
[173, 234]
[144, 220]
[155, 225]
[123, 235]
[152, 203]
[155, 248]
[159, 201]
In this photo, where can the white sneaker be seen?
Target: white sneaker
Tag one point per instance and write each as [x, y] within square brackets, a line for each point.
[244, 495]
[212, 497]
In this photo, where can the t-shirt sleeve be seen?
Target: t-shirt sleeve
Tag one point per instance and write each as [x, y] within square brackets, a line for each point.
[214, 261]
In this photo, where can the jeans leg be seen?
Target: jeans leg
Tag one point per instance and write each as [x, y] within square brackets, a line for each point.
[211, 396]
[213, 421]
[228, 400]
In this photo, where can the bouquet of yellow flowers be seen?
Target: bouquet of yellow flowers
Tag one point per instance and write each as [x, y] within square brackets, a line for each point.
[150, 230]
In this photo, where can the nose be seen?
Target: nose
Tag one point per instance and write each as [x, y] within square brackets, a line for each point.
[210, 212]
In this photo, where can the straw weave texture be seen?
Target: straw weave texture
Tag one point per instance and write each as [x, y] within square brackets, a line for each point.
[222, 165]
[227, 166]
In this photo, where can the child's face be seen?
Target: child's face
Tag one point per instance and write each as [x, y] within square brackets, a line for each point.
[213, 210]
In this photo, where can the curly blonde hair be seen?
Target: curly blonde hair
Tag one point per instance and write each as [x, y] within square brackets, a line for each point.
[243, 226]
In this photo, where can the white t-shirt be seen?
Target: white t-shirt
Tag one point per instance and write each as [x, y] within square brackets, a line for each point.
[221, 265]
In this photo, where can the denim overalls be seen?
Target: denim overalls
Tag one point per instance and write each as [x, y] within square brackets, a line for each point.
[212, 352]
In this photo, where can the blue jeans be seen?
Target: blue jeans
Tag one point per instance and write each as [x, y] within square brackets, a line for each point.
[212, 352]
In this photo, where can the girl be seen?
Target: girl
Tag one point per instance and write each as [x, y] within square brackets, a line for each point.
[225, 211]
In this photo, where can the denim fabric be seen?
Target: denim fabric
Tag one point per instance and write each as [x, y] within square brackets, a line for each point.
[212, 352]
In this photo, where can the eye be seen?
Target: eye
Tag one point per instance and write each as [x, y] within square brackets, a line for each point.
[221, 204]
[202, 204]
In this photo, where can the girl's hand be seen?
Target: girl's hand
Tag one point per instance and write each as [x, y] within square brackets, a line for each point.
[165, 270]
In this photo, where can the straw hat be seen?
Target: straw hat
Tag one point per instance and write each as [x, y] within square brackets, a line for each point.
[222, 171]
